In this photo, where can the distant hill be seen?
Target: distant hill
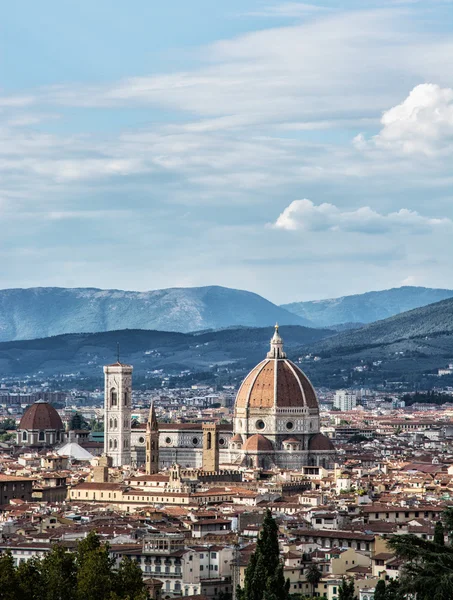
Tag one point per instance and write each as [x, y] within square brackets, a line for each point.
[86, 353]
[407, 348]
[368, 307]
[421, 323]
[42, 312]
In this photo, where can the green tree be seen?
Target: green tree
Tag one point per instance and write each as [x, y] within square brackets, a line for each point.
[346, 590]
[8, 424]
[129, 580]
[95, 577]
[59, 574]
[428, 568]
[30, 579]
[264, 578]
[96, 425]
[439, 534]
[393, 590]
[313, 576]
[78, 422]
[380, 590]
[447, 520]
[8, 578]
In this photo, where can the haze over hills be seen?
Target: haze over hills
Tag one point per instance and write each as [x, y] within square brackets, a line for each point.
[148, 350]
[42, 312]
[368, 307]
[421, 323]
[409, 347]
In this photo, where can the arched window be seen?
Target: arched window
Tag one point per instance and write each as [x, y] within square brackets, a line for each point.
[42, 436]
[111, 423]
[209, 441]
[125, 398]
[110, 444]
[115, 423]
[115, 444]
[24, 436]
[113, 397]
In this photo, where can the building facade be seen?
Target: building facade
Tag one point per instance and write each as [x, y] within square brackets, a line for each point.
[344, 400]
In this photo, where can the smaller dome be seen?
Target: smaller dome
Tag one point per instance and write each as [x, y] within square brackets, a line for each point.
[41, 416]
[319, 443]
[291, 441]
[237, 439]
[258, 443]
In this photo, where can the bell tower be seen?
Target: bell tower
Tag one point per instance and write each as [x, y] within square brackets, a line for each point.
[117, 413]
[210, 461]
[152, 443]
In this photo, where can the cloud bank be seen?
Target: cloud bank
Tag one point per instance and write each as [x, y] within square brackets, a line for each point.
[304, 215]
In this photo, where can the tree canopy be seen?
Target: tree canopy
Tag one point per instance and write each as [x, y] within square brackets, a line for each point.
[427, 573]
[86, 574]
[78, 422]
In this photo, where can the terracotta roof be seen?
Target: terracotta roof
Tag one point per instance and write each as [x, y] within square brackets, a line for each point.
[276, 382]
[258, 443]
[320, 442]
[237, 438]
[39, 416]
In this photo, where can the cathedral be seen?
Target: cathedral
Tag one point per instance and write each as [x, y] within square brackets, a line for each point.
[275, 424]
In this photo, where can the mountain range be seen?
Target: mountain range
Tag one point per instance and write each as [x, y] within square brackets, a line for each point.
[86, 353]
[41, 312]
[406, 348]
[368, 307]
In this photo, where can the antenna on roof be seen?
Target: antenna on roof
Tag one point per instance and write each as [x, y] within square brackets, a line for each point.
[118, 351]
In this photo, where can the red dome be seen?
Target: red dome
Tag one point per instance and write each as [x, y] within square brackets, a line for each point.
[319, 443]
[40, 416]
[258, 443]
[276, 382]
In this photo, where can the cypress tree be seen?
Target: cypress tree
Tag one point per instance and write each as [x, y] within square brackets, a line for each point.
[264, 577]
[346, 589]
[439, 534]
[380, 591]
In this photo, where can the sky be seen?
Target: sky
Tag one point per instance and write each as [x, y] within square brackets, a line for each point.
[297, 150]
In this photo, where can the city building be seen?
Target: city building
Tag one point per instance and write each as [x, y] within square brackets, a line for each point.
[344, 400]
[40, 426]
[276, 424]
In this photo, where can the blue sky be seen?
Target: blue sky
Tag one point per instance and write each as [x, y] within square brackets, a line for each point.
[298, 150]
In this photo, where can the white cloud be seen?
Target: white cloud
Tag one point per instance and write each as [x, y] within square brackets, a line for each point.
[330, 68]
[422, 123]
[304, 215]
[412, 280]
